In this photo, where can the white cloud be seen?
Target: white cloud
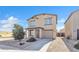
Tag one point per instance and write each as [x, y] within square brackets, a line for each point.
[60, 27]
[61, 20]
[60, 24]
[7, 25]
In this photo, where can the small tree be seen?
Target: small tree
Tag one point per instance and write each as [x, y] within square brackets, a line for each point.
[0, 35]
[18, 32]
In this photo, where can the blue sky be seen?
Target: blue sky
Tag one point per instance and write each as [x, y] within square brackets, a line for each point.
[19, 14]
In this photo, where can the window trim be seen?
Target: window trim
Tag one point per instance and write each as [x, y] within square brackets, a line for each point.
[31, 23]
[48, 19]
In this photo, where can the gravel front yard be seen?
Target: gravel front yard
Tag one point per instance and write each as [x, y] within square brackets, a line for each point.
[11, 44]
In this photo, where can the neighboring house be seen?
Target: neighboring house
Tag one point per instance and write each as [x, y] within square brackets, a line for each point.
[42, 26]
[72, 26]
[61, 33]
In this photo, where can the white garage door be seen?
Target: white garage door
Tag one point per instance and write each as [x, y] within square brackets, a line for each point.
[48, 34]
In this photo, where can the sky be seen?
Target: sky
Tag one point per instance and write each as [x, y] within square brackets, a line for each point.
[10, 15]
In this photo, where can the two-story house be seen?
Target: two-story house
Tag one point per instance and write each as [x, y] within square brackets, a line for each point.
[42, 26]
[72, 26]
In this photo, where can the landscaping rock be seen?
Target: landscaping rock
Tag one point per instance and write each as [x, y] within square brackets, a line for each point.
[31, 40]
[21, 43]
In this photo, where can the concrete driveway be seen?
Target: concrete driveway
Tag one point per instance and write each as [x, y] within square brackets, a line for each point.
[58, 45]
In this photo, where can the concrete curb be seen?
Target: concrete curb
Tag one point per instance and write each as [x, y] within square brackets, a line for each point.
[45, 47]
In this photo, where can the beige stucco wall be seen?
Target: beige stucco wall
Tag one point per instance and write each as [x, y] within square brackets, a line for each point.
[72, 25]
[41, 19]
[40, 23]
[68, 28]
[75, 24]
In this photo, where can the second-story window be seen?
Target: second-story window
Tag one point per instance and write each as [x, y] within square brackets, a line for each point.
[48, 21]
[32, 23]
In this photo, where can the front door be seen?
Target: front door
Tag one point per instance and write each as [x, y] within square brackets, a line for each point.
[37, 31]
[78, 34]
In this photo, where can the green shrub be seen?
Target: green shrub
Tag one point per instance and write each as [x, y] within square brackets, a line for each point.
[77, 46]
[0, 36]
[18, 32]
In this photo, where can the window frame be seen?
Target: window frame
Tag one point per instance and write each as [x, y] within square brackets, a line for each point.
[48, 21]
[32, 23]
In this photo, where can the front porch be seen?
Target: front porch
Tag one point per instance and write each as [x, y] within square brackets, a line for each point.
[35, 32]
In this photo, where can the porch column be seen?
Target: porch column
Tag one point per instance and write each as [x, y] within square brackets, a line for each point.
[34, 33]
[25, 36]
[28, 33]
[40, 33]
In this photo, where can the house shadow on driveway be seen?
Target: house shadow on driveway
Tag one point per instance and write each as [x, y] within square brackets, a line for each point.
[14, 45]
